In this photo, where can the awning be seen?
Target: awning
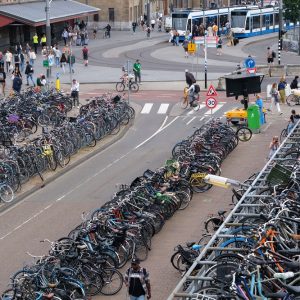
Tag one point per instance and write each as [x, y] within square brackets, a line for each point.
[5, 21]
[34, 14]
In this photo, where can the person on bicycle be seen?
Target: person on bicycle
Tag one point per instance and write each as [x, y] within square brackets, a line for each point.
[293, 120]
[294, 83]
[189, 78]
[193, 91]
[107, 30]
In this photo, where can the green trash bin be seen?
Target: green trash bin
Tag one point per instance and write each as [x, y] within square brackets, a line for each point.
[253, 116]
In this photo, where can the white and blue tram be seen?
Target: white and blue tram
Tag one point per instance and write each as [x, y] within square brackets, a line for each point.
[256, 21]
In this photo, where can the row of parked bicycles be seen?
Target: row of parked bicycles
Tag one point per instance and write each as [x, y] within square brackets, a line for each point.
[25, 153]
[255, 253]
[86, 261]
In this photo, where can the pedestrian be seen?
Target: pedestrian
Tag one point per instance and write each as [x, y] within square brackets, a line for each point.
[270, 59]
[82, 38]
[18, 48]
[189, 78]
[1, 60]
[294, 83]
[43, 41]
[148, 32]
[293, 120]
[2, 80]
[185, 45]
[29, 72]
[71, 62]
[137, 281]
[281, 89]
[27, 51]
[75, 92]
[274, 145]
[219, 45]
[177, 38]
[230, 38]
[152, 24]
[85, 55]
[275, 98]
[17, 84]
[22, 61]
[65, 36]
[259, 102]
[107, 30]
[17, 59]
[137, 71]
[210, 30]
[43, 83]
[16, 72]
[51, 61]
[57, 54]
[134, 24]
[35, 40]
[63, 62]
[228, 27]
[215, 29]
[95, 32]
[159, 24]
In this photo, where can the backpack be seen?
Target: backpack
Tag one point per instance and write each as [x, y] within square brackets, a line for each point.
[197, 88]
[273, 54]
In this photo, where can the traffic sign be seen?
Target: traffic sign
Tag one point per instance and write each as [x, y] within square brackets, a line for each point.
[251, 70]
[211, 102]
[249, 63]
[211, 41]
[211, 91]
[191, 47]
[199, 40]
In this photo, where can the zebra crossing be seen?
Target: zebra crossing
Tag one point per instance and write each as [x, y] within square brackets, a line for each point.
[164, 108]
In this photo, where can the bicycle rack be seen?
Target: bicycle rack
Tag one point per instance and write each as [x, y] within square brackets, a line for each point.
[243, 208]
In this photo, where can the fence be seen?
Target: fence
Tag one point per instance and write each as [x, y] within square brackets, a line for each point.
[243, 208]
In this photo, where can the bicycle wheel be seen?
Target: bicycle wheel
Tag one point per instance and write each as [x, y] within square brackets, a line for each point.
[184, 102]
[112, 282]
[134, 87]
[120, 87]
[6, 193]
[292, 100]
[52, 162]
[43, 120]
[177, 262]
[212, 224]
[283, 135]
[244, 134]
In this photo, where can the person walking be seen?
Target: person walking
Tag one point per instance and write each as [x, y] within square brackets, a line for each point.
[275, 100]
[274, 145]
[107, 30]
[137, 71]
[8, 60]
[293, 120]
[2, 80]
[29, 72]
[219, 45]
[270, 60]
[75, 92]
[35, 40]
[152, 24]
[134, 24]
[148, 32]
[17, 60]
[137, 281]
[281, 89]
[32, 57]
[95, 32]
[85, 55]
[57, 54]
[185, 45]
[71, 62]
[259, 102]
[1, 60]
[27, 51]
[22, 61]
[215, 29]
[63, 62]
[177, 38]
[17, 83]
[294, 83]
[65, 36]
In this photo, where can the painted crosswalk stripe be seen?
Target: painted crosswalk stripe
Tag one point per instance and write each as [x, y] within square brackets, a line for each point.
[163, 108]
[214, 110]
[191, 120]
[146, 109]
[193, 111]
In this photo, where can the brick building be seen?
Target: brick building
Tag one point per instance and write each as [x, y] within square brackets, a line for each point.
[20, 19]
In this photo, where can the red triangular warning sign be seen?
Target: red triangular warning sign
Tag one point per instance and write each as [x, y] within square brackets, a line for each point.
[211, 91]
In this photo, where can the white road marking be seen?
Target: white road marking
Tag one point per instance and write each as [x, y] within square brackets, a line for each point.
[163, 108]
[214, 110]
[193, 111]
[202, 118]
[146, 109]
[190, 121]
[160, 129]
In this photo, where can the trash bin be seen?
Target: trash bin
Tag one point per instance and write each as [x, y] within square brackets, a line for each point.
[253, 115]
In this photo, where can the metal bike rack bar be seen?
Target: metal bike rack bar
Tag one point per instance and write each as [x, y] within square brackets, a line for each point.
[185, 289]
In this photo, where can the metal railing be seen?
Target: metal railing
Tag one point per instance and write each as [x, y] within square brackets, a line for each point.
[187, 288]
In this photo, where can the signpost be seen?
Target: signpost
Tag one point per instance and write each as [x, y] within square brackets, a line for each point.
[250, 65]
[211, 102]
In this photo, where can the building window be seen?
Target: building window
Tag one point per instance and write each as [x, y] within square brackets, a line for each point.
[96, 18]
[111, 15]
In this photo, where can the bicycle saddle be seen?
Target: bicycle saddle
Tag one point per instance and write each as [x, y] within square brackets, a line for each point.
[221, 212]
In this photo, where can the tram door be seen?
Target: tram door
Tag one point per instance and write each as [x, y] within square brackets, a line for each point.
[250, 23]
[267, 22]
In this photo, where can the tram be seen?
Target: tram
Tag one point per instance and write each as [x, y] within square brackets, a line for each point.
[256, 21]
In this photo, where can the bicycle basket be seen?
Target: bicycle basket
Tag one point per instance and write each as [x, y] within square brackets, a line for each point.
[170, 162]
[279, 175]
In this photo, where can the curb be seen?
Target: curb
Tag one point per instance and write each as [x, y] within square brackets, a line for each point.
[68, 168]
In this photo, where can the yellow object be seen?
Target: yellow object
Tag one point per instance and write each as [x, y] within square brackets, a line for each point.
[217, 181]
[57, 84]
[191, 47]
[35, 39]
[43, 39]
[238, 113]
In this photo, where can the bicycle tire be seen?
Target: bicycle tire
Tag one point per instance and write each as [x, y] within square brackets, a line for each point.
[120, 87]
[244, 134]
[134, 87]
[52, 162]
[6, 193]
[212, 224]
[292, 100]
[109, 276]
[184, 102]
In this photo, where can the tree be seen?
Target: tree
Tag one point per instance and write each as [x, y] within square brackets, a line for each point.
[292, 11]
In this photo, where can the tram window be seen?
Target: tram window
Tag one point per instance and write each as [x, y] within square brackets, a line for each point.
[211, 20]
[256, 22]
[247, 24]
[271, 20]
[223, 20]
[238, 19]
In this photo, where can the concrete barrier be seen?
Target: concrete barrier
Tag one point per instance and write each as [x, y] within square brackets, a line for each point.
[292, 70]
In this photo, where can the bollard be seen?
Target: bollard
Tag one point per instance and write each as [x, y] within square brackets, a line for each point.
[57, 82]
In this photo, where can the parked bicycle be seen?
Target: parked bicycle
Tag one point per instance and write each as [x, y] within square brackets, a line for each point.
[127, 81]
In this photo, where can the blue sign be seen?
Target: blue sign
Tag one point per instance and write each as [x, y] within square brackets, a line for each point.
[249, 63]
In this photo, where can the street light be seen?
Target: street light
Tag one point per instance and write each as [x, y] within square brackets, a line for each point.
[148, 13]
[48, 27]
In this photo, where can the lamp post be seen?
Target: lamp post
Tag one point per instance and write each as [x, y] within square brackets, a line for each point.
[280, 31]
[148, 13]
[48, 27]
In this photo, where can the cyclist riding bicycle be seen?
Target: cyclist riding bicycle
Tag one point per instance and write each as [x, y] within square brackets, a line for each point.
[193, 91]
